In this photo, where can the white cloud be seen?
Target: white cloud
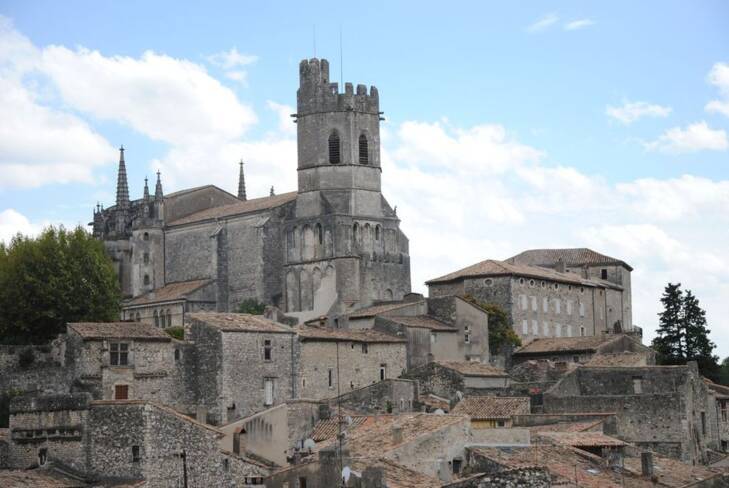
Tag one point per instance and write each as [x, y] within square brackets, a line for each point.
[13, 222]
[719, 77]
[285, 122]
[629, 112]
[231, 59]
[543, 23]
[695, 137]
[579, 24]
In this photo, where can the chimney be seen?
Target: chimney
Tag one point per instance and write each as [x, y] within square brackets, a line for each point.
[646, 464]
[561, 266]
[396, 434]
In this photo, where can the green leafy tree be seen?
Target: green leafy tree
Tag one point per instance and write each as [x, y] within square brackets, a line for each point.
[251, 306]
[500, 332]
[724, 372]
[683, 334]
[59, 277]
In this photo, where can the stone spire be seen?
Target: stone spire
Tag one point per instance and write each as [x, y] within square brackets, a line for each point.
[272, 193]
[122, 188]
[241, 183]
[146, 190]
[158, 188]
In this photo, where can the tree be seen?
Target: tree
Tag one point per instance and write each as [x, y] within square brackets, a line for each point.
[500, 332]
[683, 334]
[59, 277]
[251, 306]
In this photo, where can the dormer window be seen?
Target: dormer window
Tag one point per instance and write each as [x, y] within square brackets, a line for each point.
[334, 148]
[363, 150]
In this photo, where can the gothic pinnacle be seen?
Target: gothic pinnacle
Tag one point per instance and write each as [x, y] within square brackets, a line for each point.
[122, 187]
[241, 183]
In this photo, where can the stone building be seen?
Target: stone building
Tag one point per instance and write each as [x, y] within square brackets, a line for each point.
[604, 350]
[169, 305]
[721, 394]
[335, 361]
[122, 441]
[453, 379]
[490, 412]
[666, 409]
[541, 302]
[333, 245]
[245, 364]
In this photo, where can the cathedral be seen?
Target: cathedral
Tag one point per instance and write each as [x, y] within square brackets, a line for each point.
[332, 246]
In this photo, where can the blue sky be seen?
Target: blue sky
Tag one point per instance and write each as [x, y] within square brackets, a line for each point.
[600, 124]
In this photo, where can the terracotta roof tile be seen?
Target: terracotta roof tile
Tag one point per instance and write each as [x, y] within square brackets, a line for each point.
[568, 427]
[396, 475]
[491, 267]
[170, 292]
[240, 322]
[581, 439]
[329, 428]
[564, 344]
[378, 309]
[571, 257]
[674, 473]
[118, 330]
[474, 368]
[492, 407]
[19, 478]
[311, 332]
[435, 402]
[238, 208]
[423, 322]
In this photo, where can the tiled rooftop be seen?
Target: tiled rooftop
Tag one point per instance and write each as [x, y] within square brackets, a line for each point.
[423, 322]
[618, 359]
[378, 309]
[19, 478]
[329, 428]
[170, 292]
[581, 439]
[492, 407]
[240, 322]
[571, 257]
[238, 208]
[491, 267]
[564, 344]
[473, 368]
[311, 332]
[673, 473]
[589, 425]
[396, 476]
[118, 330]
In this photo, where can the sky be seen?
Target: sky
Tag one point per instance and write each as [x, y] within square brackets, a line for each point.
[509, 125]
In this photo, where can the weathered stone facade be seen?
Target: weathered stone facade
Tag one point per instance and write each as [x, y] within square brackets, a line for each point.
[332, 246]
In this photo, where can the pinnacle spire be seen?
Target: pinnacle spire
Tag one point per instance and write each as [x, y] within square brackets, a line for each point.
[272, 193]
[158, 187]
[146, 189]
[241, 183]
[122, 188]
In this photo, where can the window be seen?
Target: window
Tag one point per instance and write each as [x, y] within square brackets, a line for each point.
[500, 423]
[523, 300]
[467, 336]
[119, 353]
[138, 317]
[556, 286]
[545, 304]
[177, 354]
[433, 337]
[525, 326]
[355, 233]
[268, 391]
[135, 454]
[302, 482]
[330, 380]
[569, 331]
[363, 150]
[378, 230]
[575, 359]
[365, 349]
[383, 372]
[557, 306]
[532, 282]
[582, 289]
[535, 327]
[42, 456]
[146, 258]
[522, 281]
[603, 274]
[546, 329]
[169, 318]
[582, 331]
[267, 350]
[557, 330]
[226, 465]
[156, 319]
[319, 234]
[145, 236]
[569, 307]
[637, 385]
[544, 284]
[457, 464]
[121, 392]
[582, 309]
[334, 148]
[146, 279]
[703, 423]
[534, 303]
[488, 282]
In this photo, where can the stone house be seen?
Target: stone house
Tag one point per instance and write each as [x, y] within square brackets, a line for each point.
[167, 306]
[122, 441]
[453, 379]
[245, 364]
[129, 361]
[541, 302]
[335, 361]
[721, 393]
[666, 409]
[490, 412]
[611, 349]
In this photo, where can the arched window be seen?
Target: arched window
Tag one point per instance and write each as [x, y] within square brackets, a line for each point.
[355, 233]
[146, 236]
[169, 318]
[363, 150]
[146, 279]
[377, 232]
[139, 317]
[334, 148]
[319, 234]
[156, 319]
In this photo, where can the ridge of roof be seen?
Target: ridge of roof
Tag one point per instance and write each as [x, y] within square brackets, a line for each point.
[118, 330]
[170, 291]
[570, 256]
[237, 208]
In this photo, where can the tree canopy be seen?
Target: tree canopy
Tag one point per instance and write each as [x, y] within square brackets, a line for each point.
[683, 334]
[47, 281]
[500, 332]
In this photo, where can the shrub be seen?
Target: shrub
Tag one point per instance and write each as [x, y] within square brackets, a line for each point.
[251, 306]
[176, 332]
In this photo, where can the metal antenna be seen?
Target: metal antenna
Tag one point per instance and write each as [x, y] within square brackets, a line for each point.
[341, 60]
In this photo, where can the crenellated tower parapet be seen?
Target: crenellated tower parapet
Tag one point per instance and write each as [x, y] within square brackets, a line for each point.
[317, 94]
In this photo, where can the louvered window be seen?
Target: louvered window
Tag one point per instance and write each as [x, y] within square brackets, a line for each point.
[363, 150]
[334, 157]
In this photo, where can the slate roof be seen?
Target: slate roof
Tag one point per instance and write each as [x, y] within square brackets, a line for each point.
[571, 257]
[491, 267]
[316, 333]
[378, 309]
[240, 322]
[473, 368]
[170, 292]
[492, 407]
[581, 439]
[423, 322]
[617, 359]
[547, 345]
[118, 330]
[238, 208]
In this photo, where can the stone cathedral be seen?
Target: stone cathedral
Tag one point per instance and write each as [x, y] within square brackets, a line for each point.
[333, 245]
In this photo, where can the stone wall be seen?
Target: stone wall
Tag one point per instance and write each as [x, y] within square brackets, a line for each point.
[264, 434]
[529, 477]
[435, 379]
[390, 396]
[359, 365]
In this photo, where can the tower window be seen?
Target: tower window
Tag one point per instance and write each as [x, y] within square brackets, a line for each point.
[334, 148]
[604, 274]
[319, 234]
[146, 279]
[363, 150]
[146, 258]
[146, 236]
